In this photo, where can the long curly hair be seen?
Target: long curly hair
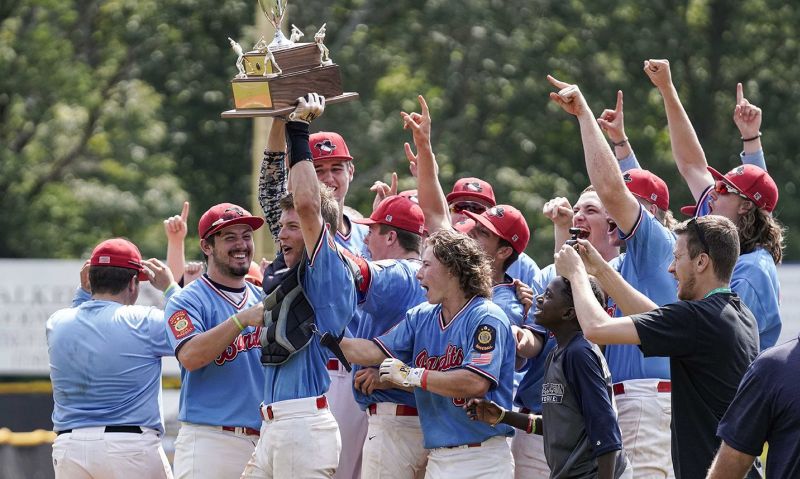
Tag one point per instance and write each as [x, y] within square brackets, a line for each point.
[465, 259]
[759, 228]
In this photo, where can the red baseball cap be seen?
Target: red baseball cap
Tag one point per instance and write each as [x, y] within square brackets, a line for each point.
[472, 188]
[753, 182]
[398, 211]
[506, 222]
[464, 226]
[647, 186]
[224, 215]
[120, 253]
[326, 145]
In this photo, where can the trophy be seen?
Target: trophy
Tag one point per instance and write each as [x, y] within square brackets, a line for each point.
[271, 77]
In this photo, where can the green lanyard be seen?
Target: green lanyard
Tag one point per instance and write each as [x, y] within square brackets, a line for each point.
[717, 290]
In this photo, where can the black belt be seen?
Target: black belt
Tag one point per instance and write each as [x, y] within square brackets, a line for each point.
[132, 429]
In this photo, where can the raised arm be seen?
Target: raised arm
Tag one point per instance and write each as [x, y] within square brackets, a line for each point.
[303, 181]
[601, 164]
[272, 178]
[747, 118]
[429, 191]
[597, 326]
[175, 229]
[686, 148]
[559, 211]
[629, 300]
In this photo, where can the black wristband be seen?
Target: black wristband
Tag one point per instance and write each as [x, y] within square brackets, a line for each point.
[620, 143]
[297, 142]
[753, 138]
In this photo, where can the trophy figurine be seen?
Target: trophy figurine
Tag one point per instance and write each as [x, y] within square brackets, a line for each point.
[262, 88]
[297, 34]
[324, 53]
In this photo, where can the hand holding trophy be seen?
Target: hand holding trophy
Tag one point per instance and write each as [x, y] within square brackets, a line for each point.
[263, 88]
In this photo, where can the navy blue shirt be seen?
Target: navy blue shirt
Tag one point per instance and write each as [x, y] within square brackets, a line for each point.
[766, 408]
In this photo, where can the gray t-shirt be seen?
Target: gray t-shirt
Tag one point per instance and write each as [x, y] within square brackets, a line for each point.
[579, 419]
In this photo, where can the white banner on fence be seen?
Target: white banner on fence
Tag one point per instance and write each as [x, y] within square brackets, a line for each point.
[30, 291]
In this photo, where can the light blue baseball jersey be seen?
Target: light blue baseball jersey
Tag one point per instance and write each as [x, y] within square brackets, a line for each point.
[644, 265]
[328, 284]
[524, 269]
[393, 289]
[478, 339]
[505, 295]
[757, 158]
[105, 364]
[354, 243]
[755, 280]
[755, 277]
[227, 391]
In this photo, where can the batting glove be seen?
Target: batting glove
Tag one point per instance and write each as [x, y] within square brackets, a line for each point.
[308, 108]
[397, 372]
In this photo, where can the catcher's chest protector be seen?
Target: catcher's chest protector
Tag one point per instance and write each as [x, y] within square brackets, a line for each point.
[288, 318]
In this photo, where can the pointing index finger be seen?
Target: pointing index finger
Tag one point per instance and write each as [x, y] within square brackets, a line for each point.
[739, 93]
[423, 105]
[185, 211]
[557, 83]
[619, 101]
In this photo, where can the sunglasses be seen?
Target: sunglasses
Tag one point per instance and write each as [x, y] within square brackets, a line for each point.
[723, 188]
[700, 234]
[471, 206]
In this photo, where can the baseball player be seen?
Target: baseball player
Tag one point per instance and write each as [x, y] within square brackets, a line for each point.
[212, 326]
[457, 346]
[473, 195]
[393, 448]
[105, 367]
[300, 437]
[334, 167]
[638, 203]
[746, 195]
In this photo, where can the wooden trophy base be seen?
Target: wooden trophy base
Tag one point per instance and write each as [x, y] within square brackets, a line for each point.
[256, 112]
[267, 90]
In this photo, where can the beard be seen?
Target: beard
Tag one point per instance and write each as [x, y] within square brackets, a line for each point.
[222, 262]
[686, 288]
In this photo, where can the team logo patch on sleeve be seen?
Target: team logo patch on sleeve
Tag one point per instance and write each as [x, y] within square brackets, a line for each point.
[485, 338]
[180, 324]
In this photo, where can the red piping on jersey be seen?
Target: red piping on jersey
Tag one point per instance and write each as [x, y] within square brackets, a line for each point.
[441, 314]
[481, 372]
[225, 296]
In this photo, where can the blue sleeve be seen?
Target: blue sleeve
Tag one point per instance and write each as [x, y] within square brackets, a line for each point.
[399, 341]
[586, 375]
[328, 282]
[155, 329]
[756, 158]
[649, 245]
[544, 277]
[490, 340]
[748, 419]
[629, 162]
[81, 296]
[389, 283]
[757, 292]
[524, 269]
[183, 320]
[703, 207]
